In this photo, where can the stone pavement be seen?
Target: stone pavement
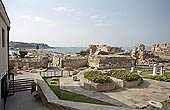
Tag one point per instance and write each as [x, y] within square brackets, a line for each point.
[133, 97]
[23, 101]
[149, 90]
[69, 85]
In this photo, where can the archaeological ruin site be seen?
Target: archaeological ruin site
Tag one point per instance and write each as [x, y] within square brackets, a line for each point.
[115, 77]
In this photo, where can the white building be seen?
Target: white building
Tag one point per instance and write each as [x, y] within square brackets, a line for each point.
[4, 39]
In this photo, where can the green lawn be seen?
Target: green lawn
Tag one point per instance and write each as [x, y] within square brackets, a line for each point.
[66, 95]
[148, 74]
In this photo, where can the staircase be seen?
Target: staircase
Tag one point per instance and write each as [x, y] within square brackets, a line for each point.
[21, 84]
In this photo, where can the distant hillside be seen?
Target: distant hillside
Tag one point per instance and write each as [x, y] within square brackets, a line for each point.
[25, 45]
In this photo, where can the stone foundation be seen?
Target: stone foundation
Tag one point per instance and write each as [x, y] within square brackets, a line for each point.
[132, 83]
[124, 84]
[96, 86]
[110, 61]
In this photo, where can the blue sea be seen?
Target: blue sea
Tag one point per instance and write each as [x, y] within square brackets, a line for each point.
[72, 50]
[67, 50]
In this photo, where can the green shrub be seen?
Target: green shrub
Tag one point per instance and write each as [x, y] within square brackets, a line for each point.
[97, 77]
[22, 53]
[165, 78]
[124, 75]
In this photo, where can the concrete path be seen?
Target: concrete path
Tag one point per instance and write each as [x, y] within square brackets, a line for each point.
[23, 101]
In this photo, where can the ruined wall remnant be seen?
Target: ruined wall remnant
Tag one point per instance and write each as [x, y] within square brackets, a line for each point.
[74, 62]
[43, 61]
[98, 48]
[110, 61]
[29, 62]
[70, 61]
[163, 50]
[56, 61]
[138, 53]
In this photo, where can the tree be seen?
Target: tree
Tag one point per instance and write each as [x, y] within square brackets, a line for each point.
[22, 53]
[37, 47]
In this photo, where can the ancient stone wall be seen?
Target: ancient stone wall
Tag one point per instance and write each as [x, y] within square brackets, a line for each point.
[96, 86]
[29, 62]
[163, 50]
[43, 61]
[139, 53]
[69, 61]
[105, 62]
[74, 63]
[56, 61]
[93, 61]
[132, 83]
[95, 48]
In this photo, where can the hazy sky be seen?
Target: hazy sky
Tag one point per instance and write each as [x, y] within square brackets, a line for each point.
[84, 22]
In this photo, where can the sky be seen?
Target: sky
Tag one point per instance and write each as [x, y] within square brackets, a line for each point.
[74, 23]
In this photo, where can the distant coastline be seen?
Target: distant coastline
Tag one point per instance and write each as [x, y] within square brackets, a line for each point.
[25, 45]
[46, 47]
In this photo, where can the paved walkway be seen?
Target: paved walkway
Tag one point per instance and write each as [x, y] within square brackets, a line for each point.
[149, 90]
[133, 97]
[23, 101]
[69, 85]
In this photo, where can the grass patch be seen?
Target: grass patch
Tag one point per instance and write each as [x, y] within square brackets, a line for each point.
[148, 74]
[165, 103]
[69, 96]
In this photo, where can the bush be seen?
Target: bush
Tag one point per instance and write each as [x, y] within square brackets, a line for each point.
[124, 75]
[97, 77]
[165, 78]
[22, 53]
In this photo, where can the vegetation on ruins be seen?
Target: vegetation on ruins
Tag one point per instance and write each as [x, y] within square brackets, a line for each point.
[124, 75]
[97, 77]
[70, 96]
[22, 53]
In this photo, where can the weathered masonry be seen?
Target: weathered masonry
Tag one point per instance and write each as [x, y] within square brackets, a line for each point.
[110, 61]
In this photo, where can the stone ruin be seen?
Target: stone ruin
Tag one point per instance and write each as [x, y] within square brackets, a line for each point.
[28, 63]
[70, 61]
[93, 49]
[143, 56]
[162, 51]
[138, 53]
[96, 56]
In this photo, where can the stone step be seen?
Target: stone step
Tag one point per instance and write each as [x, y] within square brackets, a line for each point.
[22, 86]
[22, 89]
[19, 89]
[23, 83]
[23, 80]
